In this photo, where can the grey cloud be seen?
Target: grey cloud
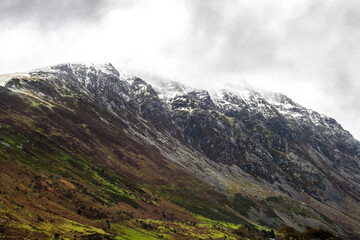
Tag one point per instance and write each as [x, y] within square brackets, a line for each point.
[233, 36]
[207, 18]
[232, 42]
[247, 47]
[342, 98]
[345, 90]
[51, 15]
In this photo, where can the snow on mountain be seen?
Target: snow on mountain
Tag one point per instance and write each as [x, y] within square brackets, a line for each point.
[222, 135]
[168, 90]
[268, 104]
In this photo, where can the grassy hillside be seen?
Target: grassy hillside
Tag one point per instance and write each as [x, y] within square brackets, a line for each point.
[69, 169]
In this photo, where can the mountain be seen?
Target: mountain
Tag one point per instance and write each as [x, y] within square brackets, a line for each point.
[89, 152]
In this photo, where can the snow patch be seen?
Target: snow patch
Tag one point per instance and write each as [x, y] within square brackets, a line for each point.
[129, 78]
[168, 90]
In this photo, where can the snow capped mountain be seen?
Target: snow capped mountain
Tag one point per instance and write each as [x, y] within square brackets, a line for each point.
[236, 140]
[268, 104]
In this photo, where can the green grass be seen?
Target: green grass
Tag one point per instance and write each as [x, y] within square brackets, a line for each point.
[131, 233]
[35, 104]
[211, 222]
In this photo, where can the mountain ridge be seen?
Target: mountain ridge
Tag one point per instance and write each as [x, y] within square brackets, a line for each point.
[237, 143]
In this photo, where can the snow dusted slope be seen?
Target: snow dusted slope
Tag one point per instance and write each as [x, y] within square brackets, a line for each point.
[290, 109]
[266, 134]
[267, 104]
[231, 138]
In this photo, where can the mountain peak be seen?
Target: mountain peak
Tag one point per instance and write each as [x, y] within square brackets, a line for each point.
[105, 68]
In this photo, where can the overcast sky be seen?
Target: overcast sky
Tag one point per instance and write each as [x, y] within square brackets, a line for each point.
[306, 49]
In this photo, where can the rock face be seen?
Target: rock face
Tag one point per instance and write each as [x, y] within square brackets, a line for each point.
[270, 137]
[222, 136]
[266, 134]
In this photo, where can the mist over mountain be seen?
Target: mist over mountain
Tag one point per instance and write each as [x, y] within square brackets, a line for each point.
[96, 153]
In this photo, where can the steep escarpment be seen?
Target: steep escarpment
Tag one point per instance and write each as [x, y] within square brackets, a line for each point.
[120, 154]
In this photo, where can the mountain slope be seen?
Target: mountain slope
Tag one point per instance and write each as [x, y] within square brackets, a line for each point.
[104, 149]
[269, 136]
